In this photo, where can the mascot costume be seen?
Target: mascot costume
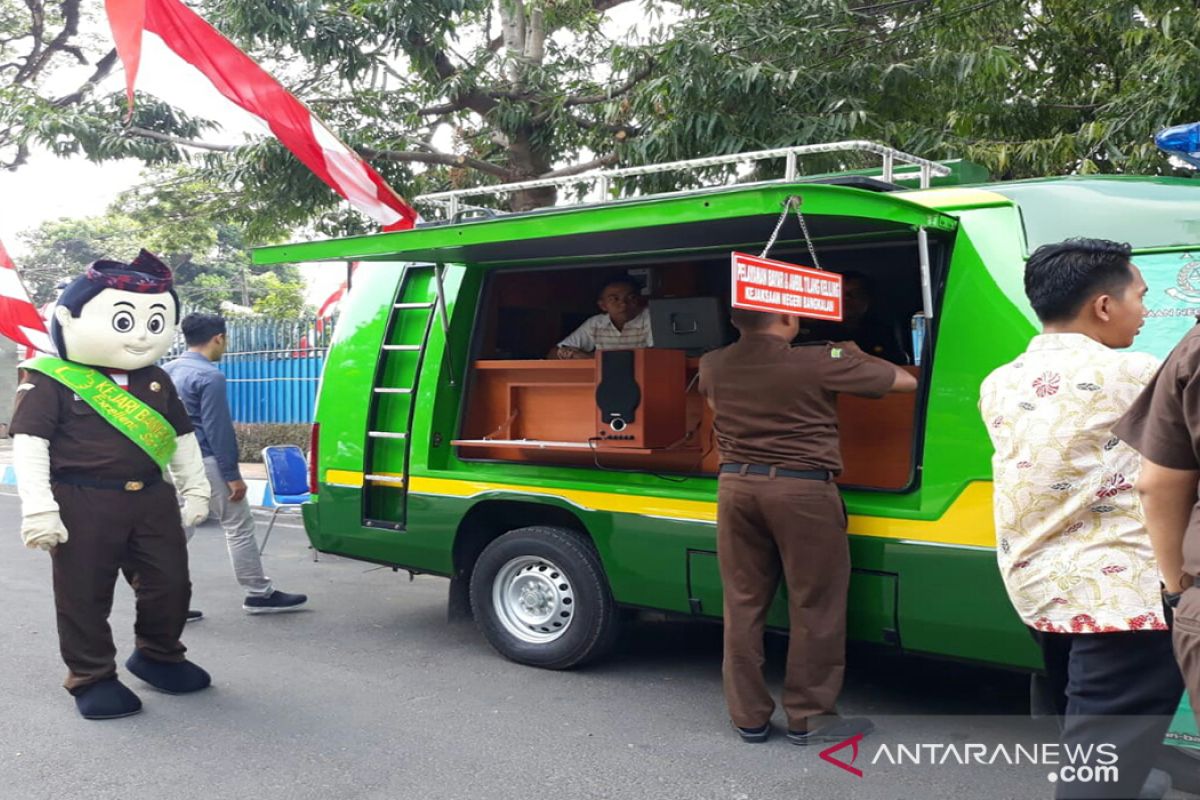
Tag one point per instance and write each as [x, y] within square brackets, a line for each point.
[93, 432]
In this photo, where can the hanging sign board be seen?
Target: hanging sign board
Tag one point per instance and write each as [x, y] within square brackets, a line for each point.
[777, 287]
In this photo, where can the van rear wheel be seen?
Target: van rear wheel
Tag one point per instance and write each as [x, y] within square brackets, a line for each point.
[540, 596]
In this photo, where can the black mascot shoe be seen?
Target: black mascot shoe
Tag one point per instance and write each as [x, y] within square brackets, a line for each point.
[173, 678]
[108, 699]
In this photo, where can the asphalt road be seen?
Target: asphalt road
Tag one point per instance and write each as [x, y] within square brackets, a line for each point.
[371, 694]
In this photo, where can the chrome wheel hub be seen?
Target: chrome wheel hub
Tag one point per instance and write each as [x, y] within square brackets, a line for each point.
[534, 599]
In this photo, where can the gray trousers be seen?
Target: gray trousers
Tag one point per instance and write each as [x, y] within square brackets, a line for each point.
[238, 522]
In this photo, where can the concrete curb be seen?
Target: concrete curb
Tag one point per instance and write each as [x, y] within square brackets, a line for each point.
[258, 491]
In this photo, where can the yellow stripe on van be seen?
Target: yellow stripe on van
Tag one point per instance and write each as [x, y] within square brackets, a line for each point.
[953, 197]
[968, 521]
[663, 507]
[344, 477]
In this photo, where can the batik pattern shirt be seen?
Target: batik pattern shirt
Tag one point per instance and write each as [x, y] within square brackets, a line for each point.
[1070, 537]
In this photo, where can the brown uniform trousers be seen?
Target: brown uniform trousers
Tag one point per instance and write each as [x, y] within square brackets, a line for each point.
[139, 533]
[767, 527]
[1186, 633]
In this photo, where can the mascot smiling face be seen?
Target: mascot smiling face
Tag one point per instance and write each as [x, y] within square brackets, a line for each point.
[117, 316]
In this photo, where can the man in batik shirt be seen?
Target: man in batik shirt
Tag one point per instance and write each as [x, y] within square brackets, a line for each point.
[1071, 541]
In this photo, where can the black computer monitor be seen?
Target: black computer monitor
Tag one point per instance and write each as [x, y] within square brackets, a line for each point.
[695, 324]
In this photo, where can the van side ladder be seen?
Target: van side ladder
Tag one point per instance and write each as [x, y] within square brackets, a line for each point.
[394, 396]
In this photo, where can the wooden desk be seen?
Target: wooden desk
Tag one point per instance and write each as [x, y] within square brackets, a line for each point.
[544, 412]
[877, 438]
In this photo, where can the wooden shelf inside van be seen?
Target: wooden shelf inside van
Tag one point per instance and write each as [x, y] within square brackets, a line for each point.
[544, 411]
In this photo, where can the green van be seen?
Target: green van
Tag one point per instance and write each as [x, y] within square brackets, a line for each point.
[445, 443]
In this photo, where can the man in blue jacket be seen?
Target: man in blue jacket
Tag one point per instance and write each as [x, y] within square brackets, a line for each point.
[201, 386]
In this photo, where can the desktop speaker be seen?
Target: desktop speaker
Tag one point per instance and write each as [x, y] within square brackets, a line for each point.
[640, 398]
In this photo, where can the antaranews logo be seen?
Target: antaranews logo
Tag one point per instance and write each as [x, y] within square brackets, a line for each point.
[852, 742]
[1068, 763]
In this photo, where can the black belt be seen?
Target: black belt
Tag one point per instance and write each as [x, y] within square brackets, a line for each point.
[778, 472]
[114, 486]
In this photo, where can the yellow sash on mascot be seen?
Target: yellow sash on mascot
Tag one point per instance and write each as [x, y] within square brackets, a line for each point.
[144, 426]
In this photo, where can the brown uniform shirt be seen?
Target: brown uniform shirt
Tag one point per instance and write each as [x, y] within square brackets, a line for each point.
[1163, 425]
[777, 404]
[81, 441]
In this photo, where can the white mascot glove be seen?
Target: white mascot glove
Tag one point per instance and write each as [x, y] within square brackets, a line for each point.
[187, 473]
[41, 526]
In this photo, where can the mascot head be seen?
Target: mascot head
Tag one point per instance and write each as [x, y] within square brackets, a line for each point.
[117, 316]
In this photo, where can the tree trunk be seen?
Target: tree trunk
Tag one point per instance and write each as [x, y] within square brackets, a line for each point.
[527, 161]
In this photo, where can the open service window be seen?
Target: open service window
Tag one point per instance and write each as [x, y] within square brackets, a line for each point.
[527, 403]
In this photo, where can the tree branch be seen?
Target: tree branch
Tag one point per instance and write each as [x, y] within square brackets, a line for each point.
[19, 159]
[61, 43]
[445, 108]
[166, 137]
[603, 161]
[602, 6]
[620, 131]
[535, 34]
[441, 159]
[103, 68]
[624, 88]
[476, 101]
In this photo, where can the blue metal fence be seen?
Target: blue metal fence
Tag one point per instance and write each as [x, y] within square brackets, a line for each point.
[272, 368]
[272, 387]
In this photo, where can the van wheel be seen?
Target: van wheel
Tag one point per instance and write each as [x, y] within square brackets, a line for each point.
[540, 597]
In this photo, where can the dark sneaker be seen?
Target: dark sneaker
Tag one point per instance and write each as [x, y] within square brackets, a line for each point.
[194, 616]
[174, 677]
[108, 699]
[835, 731]
[274, 603]
[754, 735]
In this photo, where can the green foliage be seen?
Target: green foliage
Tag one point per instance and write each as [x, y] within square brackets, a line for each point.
[1026, 89]
[172, 215]
[279, 299]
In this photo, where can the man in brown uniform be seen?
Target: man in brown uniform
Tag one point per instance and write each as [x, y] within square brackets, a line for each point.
[778, 510]
[1164, 426]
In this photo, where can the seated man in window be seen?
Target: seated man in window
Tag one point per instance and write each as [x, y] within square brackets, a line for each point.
[624, 325]
[874, 334]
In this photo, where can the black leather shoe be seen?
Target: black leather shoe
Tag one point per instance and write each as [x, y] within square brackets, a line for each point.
[108, 699]
[194, 616]
[182, 677]
[835, 731]
[754, 735]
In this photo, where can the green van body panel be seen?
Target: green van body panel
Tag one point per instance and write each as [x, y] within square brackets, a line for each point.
[923, 597]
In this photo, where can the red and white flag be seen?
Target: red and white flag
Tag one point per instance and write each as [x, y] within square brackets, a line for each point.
[334, 300]
[19, 317]
[240, 80]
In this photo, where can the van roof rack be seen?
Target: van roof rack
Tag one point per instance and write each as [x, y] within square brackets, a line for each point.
[453, 205]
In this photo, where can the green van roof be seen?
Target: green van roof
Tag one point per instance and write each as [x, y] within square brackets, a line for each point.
[689, 222]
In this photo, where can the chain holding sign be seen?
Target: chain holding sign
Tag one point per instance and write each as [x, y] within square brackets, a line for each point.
[792, 202]
[777, 287]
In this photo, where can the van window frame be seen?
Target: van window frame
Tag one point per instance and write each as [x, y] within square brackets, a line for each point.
[940, 247]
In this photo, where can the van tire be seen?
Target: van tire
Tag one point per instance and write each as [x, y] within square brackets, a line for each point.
[541, 560]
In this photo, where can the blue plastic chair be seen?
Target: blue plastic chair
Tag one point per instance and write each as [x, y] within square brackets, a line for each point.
[287, 473]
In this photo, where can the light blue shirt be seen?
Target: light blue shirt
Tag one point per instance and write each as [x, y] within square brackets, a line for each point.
[201, 387]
